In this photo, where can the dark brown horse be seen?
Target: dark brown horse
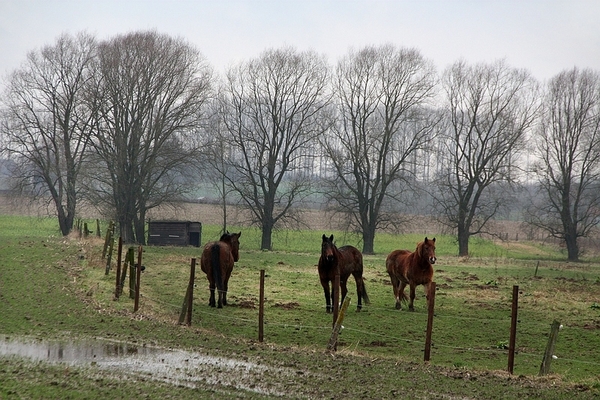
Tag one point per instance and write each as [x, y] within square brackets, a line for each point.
[348, 260]
[411, 268]
[217, 263]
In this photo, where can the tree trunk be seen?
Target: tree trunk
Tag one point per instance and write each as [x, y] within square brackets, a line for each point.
[572, 247]
[369, 240]
[463, 242]
[65, 213]
[63, 222]
[267, 222]
[126, 230]
[267, 231]
[140, 228]
[224, 199]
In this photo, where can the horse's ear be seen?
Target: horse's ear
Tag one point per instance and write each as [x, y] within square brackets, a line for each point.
[433, 240]
[240, 234]
[331, 238]
[324, 237]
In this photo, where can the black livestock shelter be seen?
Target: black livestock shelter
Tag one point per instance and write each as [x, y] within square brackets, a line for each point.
[174, 233]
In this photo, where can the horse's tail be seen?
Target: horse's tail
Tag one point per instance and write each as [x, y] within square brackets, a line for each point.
[404, 298]
[215, 260]
[364, 294]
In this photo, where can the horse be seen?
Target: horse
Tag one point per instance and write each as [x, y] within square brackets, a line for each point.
[217, 263]
[411, 268]
[346, 260]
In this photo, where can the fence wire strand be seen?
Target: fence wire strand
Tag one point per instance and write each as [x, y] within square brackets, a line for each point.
[386, 336]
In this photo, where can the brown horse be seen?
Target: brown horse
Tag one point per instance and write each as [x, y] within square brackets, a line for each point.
[347, 260]
[411, 268]
[217, 263]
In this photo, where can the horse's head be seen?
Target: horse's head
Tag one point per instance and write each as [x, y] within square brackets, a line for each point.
[328, 248]
[233, 239]
[427, 250]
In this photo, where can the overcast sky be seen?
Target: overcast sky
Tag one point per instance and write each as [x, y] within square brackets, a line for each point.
[543, 36]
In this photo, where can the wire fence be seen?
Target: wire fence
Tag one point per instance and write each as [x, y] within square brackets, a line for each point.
[440, 341]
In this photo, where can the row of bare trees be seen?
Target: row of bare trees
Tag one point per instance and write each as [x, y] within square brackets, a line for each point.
[138, 120]
[111, 122]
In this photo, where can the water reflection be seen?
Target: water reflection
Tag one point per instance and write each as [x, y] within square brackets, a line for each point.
[69, 350]
[177, 367]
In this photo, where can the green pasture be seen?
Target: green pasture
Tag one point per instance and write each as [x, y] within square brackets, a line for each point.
[52, 286]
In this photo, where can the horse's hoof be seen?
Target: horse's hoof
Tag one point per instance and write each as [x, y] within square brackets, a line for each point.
[411, 309]
[398, 306]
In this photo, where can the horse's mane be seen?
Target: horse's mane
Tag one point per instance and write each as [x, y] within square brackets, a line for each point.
[419, 250]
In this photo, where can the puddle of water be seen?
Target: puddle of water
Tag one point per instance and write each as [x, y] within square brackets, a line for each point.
[176, 367]
[69, 351]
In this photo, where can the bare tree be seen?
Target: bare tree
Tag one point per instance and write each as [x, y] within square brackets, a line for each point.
[216, 154]
[46, 122]
[273, 111]
[489, 108]
[382, 94]
[567, 203]
[151, 91]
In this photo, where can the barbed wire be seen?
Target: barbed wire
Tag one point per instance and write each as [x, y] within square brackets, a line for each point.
[435, 344]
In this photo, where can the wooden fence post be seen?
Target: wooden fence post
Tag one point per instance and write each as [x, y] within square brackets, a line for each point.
[106, 238]
[191, 297]
[545, 367]
[128, 262]
[119, 259]
[109, 256]
[513, 329]
[188, 300]
[132, 271]
[110, 244]
[98, 228]
[430, 311]
[261, 306]
[332, 345]
[138, 272]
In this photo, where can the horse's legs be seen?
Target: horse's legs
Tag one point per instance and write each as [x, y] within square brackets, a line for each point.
[395, 284]
[211, 301]
[359, 291]
[344, 287]
[226, 287]
[400, 294]
[327, 293]
[412, 297]
[220, 302]
[359, 283]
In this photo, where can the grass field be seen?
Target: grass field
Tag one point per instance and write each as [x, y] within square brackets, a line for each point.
[56, 287]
